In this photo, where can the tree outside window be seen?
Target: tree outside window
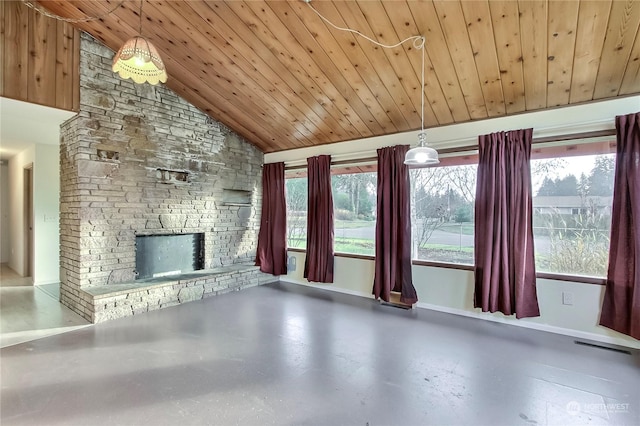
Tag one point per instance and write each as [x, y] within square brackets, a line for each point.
[443, 213]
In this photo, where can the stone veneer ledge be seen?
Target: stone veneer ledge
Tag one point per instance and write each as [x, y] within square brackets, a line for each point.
[104, 303]
[140, 160]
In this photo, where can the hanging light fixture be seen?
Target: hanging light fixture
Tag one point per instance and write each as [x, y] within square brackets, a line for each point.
[422, 155]
[139, 60]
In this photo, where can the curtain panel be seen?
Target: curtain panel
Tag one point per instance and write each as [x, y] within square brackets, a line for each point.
[393, 227]
[271, 254]
[318, 265]
[505, 276]
[621, 304]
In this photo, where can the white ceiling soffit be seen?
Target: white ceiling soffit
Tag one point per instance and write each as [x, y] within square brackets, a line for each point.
[589, 117]
[23, 124]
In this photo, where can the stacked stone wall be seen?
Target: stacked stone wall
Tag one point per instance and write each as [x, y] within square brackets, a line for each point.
[140, 160]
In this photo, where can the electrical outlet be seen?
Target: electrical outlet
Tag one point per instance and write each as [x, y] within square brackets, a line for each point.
[567, 298]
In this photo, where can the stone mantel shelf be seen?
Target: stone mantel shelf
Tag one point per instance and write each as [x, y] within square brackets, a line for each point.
[105, 291]
[236, 204]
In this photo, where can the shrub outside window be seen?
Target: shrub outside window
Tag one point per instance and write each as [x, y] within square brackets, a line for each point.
[572, 204]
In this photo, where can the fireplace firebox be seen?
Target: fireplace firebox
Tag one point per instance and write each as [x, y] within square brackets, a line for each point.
[165, 255]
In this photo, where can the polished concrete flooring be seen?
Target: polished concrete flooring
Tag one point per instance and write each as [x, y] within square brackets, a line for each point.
[10, 278]
[291, 355]
[30, 312]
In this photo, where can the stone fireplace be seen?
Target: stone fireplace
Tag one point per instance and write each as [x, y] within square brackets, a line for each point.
[168, 255]
[137, 162]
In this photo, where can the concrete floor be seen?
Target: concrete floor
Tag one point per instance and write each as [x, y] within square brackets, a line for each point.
[291, 355]
[30, 312]
[10, 278]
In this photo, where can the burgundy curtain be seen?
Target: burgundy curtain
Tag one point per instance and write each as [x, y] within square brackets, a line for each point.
[318, 265]
[271, 254]
[621, 305]
[505, 275]
[393, 227]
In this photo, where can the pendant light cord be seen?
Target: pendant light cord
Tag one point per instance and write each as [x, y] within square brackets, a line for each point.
[140, 16]
[418, 43]
[33, 5]
[422, 86]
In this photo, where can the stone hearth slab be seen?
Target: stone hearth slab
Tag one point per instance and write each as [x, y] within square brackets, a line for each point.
[103, 303]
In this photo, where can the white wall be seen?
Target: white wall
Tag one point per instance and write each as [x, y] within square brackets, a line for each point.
[46, 214]
[46, 205]
[16, 207]
[4, 213]
[30, 133]
[451, 290]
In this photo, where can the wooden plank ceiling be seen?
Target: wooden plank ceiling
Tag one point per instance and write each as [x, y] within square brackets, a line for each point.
[274, 72]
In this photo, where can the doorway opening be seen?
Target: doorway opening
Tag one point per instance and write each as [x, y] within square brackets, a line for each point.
[28, 221]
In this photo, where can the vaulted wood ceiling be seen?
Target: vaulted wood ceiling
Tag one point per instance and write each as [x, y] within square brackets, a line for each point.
[274, 72]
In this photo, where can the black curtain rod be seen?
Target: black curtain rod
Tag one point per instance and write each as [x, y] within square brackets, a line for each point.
[546, 139]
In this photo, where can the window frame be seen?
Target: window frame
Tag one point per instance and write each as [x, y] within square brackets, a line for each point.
[453, 159]
[573, 142]
[368, 168]
[574, 148]
[306, 195]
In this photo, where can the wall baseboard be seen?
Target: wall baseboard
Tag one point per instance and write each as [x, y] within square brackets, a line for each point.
[485, 317]
[533, 325]
[46, 282]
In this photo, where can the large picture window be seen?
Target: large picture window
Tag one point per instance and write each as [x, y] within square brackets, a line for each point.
[354, 201]
[443, 227]
[296, 188]
[572, 198]
[572, 203]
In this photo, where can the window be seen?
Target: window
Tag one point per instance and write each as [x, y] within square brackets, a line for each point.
[354, 203]
[572, 187]
[296, 195]
[572, 199]
[443, 219]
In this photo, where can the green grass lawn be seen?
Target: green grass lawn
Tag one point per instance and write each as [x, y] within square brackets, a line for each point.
[365, 246]
[447, 247]
[344, 245]
[354, 245]
[466, 228]
[351, 224]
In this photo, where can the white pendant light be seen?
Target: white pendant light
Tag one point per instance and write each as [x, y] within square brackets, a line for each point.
[422, 155]
[139, 60]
